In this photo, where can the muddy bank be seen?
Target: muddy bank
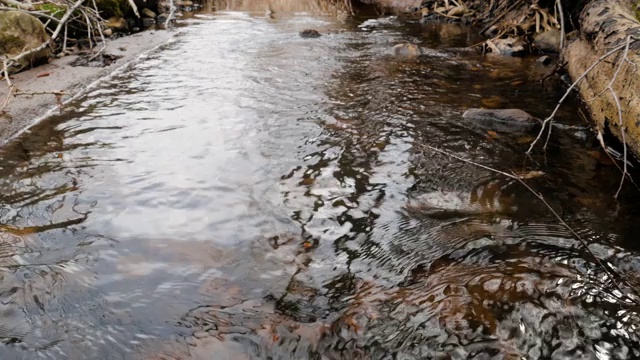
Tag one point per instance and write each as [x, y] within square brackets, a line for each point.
[60, 75]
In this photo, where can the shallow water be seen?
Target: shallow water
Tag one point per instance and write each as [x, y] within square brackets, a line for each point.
[246, 193]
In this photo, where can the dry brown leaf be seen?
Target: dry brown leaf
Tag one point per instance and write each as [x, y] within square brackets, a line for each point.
[530, 174]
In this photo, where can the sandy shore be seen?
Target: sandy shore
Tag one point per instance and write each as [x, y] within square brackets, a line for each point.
[25, 111]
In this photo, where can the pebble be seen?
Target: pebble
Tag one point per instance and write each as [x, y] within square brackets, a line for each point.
[200, 334]
[544, 60]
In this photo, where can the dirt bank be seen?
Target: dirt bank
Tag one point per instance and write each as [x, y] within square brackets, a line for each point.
[59, 75]
[609, 89]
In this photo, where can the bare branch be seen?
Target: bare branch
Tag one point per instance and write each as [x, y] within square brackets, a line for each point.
[549, 119]
[171, 12]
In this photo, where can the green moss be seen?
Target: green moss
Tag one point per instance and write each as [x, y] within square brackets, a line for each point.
[52, 9]
[11, 44]
[112, 8]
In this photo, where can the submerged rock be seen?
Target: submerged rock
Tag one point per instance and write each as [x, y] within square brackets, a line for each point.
[20, 32]
[309, 34]
[504, 120]
[407, 50]
[451, 204]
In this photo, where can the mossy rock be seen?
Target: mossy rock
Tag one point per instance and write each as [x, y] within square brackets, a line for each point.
[113, 8]
[20, 32]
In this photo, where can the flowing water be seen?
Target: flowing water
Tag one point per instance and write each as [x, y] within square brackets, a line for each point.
[246, 193]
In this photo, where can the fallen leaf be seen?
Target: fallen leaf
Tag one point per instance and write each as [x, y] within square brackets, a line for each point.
[307, 244]
[530, 174]
[492, 102]
[525, 139]
[43, 74]
[492, 134]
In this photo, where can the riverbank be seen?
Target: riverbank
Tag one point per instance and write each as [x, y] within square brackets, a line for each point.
[61, 76]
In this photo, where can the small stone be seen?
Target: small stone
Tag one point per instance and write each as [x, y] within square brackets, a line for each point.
[148, 22]
[148, 13]
[309, 34]
[162, 18]
[107, 32]
[200, 334]
[548, 41]
[544, 60]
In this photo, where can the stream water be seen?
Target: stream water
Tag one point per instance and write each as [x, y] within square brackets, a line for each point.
[247, 193]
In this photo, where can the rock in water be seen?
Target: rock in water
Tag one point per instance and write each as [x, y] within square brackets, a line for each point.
[503, 120]
[310, 34]
[407, 50]
[20, 32]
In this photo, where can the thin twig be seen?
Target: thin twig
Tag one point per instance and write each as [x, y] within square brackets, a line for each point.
[64, 42]
[618, 105]
[610, 274]
[171, 12]
[562, 28]
[104, 41]
[566, 94]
